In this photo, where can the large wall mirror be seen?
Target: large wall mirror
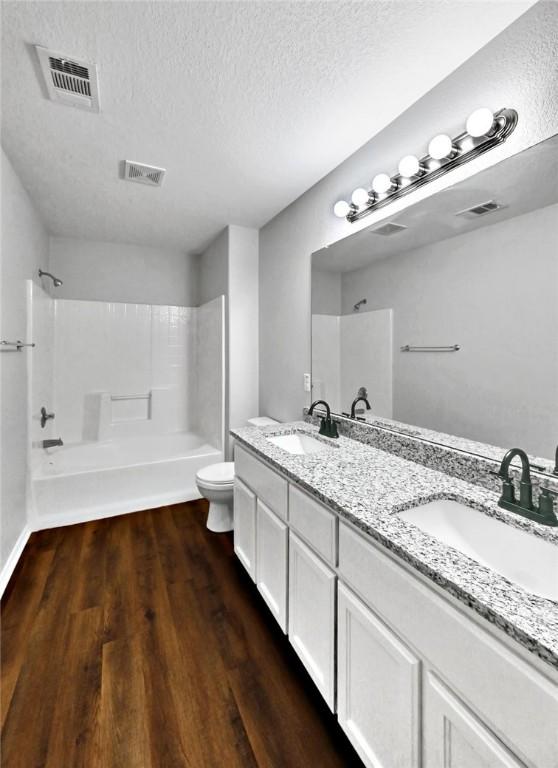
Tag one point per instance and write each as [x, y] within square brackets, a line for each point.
[446, 315]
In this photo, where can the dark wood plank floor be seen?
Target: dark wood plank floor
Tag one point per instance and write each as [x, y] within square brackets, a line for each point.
[139, 641]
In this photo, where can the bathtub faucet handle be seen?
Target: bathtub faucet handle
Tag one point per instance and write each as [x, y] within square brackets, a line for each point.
[45, 417]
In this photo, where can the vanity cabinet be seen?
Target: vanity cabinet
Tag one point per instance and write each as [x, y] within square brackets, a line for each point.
[416, 678]
[378, 688]
[454, 737]
[271, 562]
[245, 526]
[312, 615]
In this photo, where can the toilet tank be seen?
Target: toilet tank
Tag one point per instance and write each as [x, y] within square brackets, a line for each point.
[261, 421]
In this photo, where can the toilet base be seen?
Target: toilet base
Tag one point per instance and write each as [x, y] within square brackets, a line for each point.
[220, 517]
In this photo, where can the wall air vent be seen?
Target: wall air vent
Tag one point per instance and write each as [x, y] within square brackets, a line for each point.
[69, 81]
[143, 174]
[391, 228]
[479, 210]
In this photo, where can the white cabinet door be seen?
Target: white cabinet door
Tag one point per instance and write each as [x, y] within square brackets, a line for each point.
[454, 737]
[378, 688]
[312, 616]
[271, 562]
[245, 526]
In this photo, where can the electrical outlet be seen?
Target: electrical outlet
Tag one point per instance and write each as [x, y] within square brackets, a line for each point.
[307, 382]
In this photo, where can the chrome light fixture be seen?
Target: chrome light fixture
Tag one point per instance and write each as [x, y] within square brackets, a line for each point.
[484, 130]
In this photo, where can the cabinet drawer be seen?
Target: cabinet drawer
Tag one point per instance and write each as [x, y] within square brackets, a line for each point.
[316, 524]
[505, 692]
[267, 484]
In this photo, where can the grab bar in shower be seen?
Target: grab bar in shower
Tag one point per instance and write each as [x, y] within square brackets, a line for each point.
[452, 348]
[15, 346]
[131, 397]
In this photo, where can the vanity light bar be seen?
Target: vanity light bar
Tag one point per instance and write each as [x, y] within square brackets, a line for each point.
[485, 130]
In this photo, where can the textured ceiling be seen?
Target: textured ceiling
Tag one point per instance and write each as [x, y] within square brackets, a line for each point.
[246, 104]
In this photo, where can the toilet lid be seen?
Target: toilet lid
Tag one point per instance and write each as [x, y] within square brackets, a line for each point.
[218, 473]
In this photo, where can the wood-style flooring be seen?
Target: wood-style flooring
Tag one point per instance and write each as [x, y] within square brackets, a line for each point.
[139, 641]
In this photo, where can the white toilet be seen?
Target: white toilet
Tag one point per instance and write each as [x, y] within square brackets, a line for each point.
[216, 482]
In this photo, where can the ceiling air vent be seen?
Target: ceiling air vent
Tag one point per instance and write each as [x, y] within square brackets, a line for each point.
[69, 81]
[143, 174]
[481, 209]
[391, 228]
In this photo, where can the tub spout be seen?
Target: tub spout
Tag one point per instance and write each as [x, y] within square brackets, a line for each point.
[52, 443]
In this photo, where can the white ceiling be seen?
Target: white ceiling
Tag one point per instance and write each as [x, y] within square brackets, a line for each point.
[247, 104]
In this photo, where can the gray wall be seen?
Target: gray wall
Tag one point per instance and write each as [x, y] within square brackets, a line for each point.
[123, 272]
[229, 267]
[326, 293]
[243, 325]
[516, 69]
[24, 250]
[494, 291]
[214, 269]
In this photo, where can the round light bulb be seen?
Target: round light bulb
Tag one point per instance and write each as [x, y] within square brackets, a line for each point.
[382, 183]
[409, 166]
[341, 208]
[360, 197]
[440, 147]
[480, 122]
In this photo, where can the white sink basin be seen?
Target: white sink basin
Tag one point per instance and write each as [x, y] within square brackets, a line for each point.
[298, 443]
[522, 558]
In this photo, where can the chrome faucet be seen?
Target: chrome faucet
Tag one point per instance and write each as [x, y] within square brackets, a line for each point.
[52, 443]
[328, 427]
[544, 513]
[354, 405]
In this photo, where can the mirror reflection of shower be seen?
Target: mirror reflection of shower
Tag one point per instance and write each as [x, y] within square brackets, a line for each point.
[55, 280]
[356, 307]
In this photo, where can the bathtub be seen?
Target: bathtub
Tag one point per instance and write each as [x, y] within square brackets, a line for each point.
[84, 481]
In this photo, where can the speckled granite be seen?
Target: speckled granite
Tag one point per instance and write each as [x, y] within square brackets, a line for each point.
[464, 459]
[368, 487]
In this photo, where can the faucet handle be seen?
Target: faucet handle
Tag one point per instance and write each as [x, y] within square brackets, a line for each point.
[546, 504]
[508, 491]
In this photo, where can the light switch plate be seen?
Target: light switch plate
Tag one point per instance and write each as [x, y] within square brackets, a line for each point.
[307, 382]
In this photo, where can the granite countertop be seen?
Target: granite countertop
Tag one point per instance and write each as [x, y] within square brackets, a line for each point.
[368, 486]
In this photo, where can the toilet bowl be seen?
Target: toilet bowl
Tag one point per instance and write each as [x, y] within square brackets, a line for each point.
[216, 484]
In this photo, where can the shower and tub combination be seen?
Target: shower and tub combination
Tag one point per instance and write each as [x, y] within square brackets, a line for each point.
[138, 398]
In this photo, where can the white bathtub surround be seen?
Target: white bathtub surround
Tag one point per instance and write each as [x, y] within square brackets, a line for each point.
[40, 359]
[123, 351]
[210, 367]
[138, 393]
[339, 368]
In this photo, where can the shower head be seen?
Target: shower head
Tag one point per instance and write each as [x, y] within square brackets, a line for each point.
[356, 307]
[55, 280]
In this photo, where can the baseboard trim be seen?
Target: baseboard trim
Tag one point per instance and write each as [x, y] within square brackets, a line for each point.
[13, 558]
[85, 516]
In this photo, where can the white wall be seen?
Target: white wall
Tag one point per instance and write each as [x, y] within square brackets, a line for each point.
[24, 250]
[123, 272]
[516, 69]
[214, 269]
[493, 291]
